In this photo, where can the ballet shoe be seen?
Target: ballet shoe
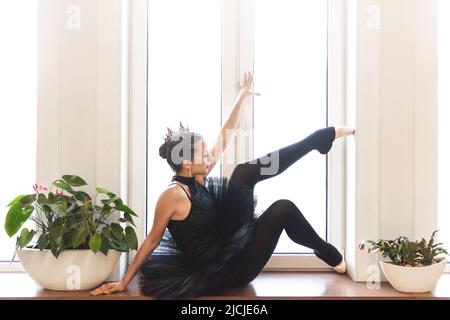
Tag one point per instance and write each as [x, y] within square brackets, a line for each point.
[344, 131]
[341, 267]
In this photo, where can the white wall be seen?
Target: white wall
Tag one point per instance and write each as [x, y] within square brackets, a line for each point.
[392, 99]
[79, 92]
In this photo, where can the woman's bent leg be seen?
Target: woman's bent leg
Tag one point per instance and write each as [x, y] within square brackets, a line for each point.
[281, 215]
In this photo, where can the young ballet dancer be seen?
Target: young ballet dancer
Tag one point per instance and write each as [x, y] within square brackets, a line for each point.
[205, 234]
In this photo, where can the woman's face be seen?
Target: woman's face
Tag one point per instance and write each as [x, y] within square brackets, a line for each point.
[201, 160]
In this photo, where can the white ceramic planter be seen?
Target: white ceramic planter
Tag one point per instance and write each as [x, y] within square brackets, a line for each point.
[72, 270]
[413, 279]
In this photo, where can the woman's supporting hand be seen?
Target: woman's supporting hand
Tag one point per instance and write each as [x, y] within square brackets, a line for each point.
[246, 88]
[109, 288]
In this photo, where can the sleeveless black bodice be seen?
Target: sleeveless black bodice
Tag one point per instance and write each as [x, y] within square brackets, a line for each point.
[196, 253]
[196, 235]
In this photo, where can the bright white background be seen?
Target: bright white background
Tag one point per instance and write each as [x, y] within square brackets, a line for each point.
[18, 83]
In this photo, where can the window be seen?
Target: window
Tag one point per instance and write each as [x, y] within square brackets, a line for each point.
[198, 50]
[443, 127]
[18, 78]
[290, 63]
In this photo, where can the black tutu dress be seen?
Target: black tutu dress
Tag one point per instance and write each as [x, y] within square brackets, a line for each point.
[195, 254]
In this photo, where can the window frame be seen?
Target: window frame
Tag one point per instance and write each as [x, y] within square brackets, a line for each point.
[11, 267]
[237, 53]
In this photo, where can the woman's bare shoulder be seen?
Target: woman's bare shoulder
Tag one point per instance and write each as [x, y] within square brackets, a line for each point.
[171, 200]
[175, 200]
[174, 192]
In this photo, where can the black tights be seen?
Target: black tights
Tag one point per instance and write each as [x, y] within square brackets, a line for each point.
[282, 214]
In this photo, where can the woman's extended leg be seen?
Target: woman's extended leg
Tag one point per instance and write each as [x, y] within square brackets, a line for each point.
[278, 161]
[281, 215]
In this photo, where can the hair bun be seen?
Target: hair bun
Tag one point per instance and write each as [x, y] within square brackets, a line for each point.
[163, 150]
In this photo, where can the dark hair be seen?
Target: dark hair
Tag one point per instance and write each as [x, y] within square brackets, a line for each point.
[183, 140]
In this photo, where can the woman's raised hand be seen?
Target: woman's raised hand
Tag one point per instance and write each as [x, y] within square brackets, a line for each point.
[246, 88]
[109, 288]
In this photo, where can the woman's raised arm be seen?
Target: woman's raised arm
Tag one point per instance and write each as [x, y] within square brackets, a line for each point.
[221, 144]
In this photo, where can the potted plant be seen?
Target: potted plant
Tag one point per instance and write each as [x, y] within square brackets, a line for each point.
[410, 266]
[78, 242]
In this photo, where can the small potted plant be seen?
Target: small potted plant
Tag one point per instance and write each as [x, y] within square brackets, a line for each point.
[410, 266]
[78, 242]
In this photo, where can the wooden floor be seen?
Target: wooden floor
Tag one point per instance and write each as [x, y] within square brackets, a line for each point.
[268, 285]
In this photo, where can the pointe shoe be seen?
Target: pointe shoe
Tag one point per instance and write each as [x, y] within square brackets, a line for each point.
[344, 131]
[341, 267]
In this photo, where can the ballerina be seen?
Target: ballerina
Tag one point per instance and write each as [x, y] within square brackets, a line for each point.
[205, 234]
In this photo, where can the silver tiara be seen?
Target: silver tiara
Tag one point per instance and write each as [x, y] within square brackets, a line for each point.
[177, 136]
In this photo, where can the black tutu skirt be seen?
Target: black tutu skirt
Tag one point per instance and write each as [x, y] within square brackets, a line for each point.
[169, 274]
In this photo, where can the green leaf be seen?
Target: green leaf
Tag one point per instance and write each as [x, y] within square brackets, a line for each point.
[104, 247]
[57, 228]
[51, 197]
[16, 217]
[16, 200]
[118, 201]
[66, 240]
[54, 249]
[116, 231]
[106, 232]
[131, 237]
[95, 243]
[43, 241]
[74, 181]
[106, 209]
[28, 199]
[124, 208]
[119, 245]
[79, 236]
[430, 243]
[41, 198]
[102, 190]
[127, 218]
[71, 208]
[81, 196]
[25, 237]
[108, 201]
[59, 207]
[64, 186]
